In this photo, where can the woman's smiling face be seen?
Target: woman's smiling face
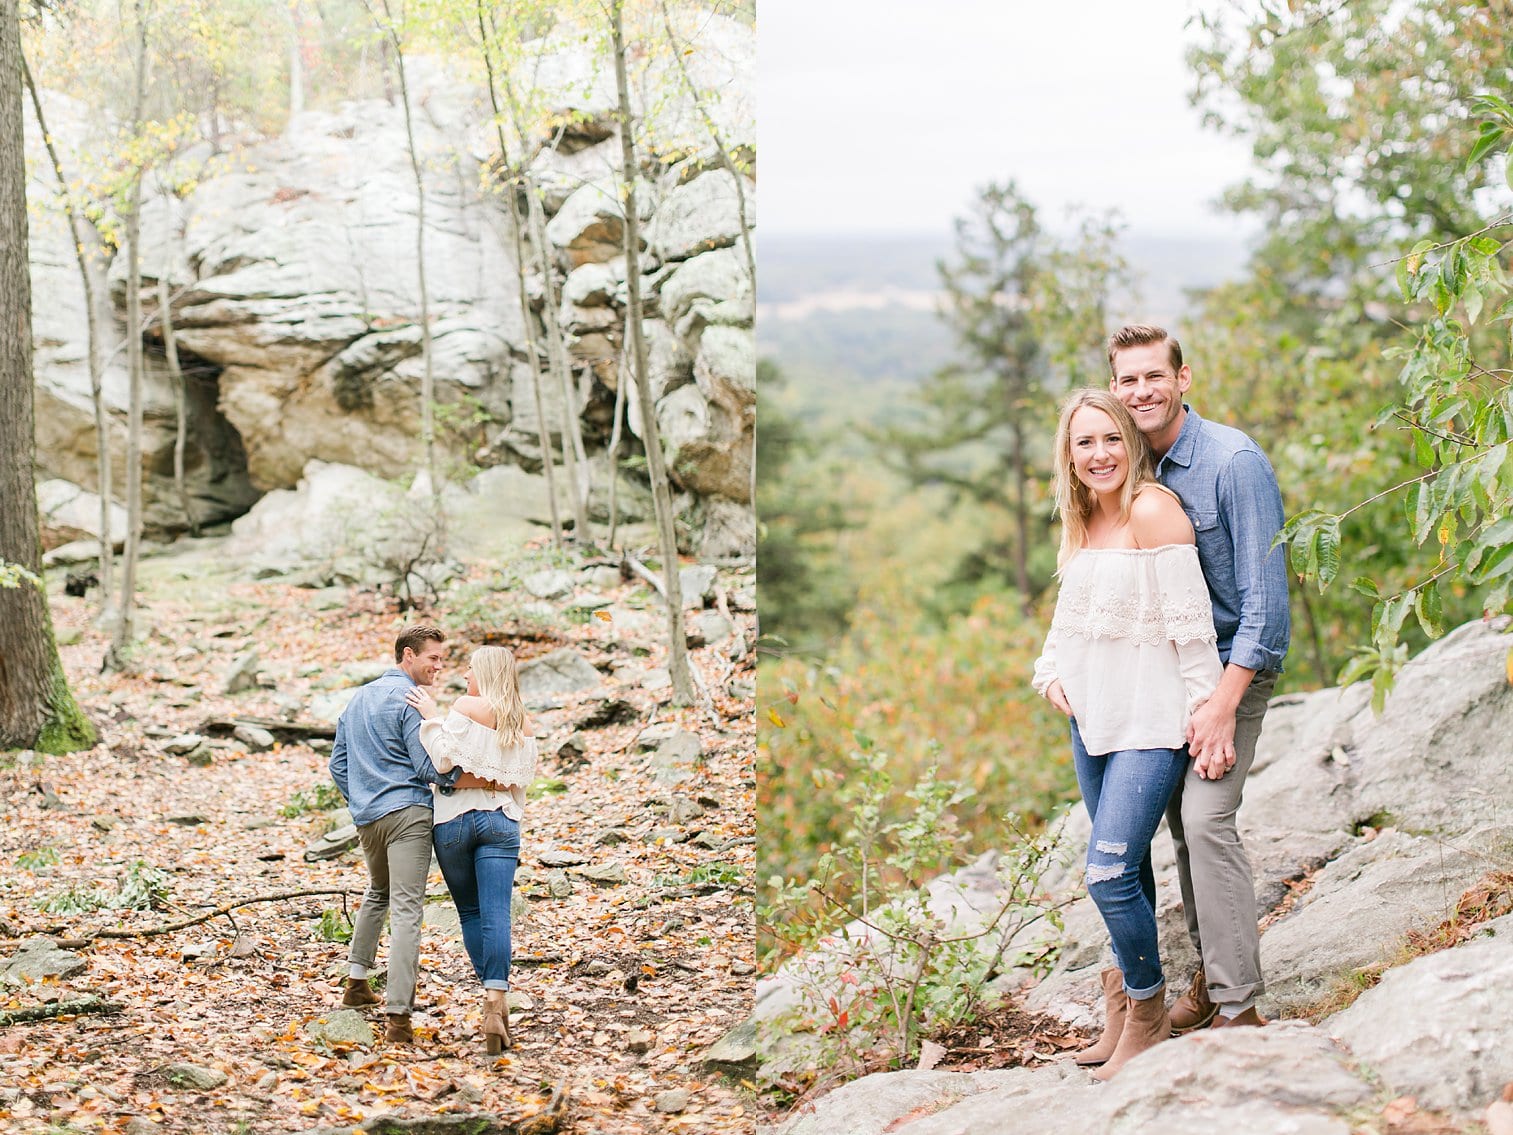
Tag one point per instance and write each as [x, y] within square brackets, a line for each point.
[1098, 455]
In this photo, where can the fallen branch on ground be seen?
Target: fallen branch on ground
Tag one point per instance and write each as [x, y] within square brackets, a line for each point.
[59, 1009]
[169, 928]
[282, 730]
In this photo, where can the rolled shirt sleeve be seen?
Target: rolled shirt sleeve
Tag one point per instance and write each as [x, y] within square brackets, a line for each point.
[419, 758]
[1252, 504]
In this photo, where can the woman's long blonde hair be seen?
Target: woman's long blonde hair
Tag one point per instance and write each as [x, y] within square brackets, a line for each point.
[499, 685]
[1074, 500]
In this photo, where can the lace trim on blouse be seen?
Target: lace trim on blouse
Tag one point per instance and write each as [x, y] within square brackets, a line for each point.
[1168, 601]
[460, 742]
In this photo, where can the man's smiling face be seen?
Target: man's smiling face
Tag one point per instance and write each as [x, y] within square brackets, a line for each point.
[1146, 383]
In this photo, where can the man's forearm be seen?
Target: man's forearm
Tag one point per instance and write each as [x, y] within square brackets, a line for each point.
[1232, 686]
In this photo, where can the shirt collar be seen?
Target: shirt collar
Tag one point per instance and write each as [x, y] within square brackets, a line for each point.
[1181, 452]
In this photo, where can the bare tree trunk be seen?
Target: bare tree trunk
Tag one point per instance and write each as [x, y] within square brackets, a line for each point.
[296, 64]
[181, 426]
[574, 456]
[115, 656]
[527, 318]
[428, 377]
[678, 668]
[573, 453]
[76, 229]
[614, 439]
[36, 708]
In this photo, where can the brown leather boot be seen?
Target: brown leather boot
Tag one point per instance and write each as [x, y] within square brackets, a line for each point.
[358, 994]
[496, 1021]
[1193, 1010]
[1145, 1026]
[399, 1030]
[1115, 1005]
[1249, 1017]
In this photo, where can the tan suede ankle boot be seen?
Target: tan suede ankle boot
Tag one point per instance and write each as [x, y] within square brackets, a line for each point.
[1115, 1006]
[496, 1021]
[1145, 1026]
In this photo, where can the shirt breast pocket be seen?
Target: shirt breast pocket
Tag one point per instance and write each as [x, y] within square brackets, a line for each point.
[1215, 548]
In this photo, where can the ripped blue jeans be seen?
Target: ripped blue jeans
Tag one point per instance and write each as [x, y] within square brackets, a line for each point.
[1126, 794]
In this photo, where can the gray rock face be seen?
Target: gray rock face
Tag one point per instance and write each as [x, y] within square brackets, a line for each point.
[561, 671]
[38, 958]
[345, 1026]
[1438, 1028]
[194, 1076]
[1412, 882]
[296, 292]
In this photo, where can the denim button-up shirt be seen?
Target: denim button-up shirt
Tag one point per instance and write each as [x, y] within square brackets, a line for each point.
[377, 760]
[1230, 494]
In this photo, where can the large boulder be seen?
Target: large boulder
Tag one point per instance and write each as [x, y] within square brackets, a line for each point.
[296, 289]
[1385, 820]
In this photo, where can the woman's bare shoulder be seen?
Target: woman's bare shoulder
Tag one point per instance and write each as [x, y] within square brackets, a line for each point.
[1156, 518]
[475, 708]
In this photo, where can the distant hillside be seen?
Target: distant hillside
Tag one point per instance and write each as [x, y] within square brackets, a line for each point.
[850, 318]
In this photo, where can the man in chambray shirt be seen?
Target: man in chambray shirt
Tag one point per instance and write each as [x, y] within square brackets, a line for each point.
[1230, 494]
[385, 776]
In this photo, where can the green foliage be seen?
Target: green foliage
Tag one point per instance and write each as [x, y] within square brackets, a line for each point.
[954, 693]
[546, 786]
[720, 874]
[335, 926]
[320, 797]
[79, 898]
[1456, 412]
[803, 589]
[1028, 313]
[39, 859]
[143, 887]
[1359, 158]
[894, 969]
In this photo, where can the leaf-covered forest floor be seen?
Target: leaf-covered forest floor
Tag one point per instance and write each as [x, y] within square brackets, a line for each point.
[623, 985]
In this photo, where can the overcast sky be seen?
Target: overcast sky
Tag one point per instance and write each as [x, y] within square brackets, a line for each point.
[885, 115]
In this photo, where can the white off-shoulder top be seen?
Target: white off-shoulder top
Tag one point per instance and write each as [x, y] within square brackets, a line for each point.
[1132, 641]
[457, 741]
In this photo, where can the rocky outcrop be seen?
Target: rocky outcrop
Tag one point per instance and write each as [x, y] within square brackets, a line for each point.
[1379, 823]
[295, 297]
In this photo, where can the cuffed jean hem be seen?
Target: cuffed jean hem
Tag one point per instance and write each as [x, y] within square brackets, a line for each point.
[1144, 994]
[492, 984]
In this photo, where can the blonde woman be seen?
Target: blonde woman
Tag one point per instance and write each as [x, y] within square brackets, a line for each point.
[477, 831]
[1129, 656]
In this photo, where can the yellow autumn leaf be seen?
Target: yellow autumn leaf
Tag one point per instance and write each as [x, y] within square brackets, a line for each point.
[1510, 667]
[772, 716]
[1444, 533]
[605, 615]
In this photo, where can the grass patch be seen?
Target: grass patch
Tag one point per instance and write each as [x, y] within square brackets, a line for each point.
[37, 860]
[335, 926]
[551, 786]
[1376, 822]
[323, 797]
[79, 899]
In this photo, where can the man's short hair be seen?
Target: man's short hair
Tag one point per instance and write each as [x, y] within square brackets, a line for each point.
[415, 637]
[1142, 335]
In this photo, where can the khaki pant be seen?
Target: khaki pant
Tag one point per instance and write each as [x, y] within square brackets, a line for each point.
[398, 850]
[1218, 893]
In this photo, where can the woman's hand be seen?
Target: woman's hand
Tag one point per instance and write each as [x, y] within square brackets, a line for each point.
[423, 702]
[1057, 697]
